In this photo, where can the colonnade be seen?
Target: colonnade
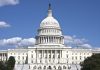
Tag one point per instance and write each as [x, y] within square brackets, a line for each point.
[50, 40]
[47, 56]
[3, 56]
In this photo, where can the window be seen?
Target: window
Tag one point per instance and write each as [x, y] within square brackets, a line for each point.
[46, 56]
[54, 67]
[53, 56]
[40, 61]
[18, 57]
[49, 56]
[76, 57]
[53, 51]
[18, 62]
[64, 67]
[29, 66]
[31, 56]
[72, 62]
[80, 57]
[84, 57]
[44, 67]
[67, 56]
[58, 56]
[32, 61]
[39, 67]
[23, 57]
[59, 68]
[72, 58]
[11, 53]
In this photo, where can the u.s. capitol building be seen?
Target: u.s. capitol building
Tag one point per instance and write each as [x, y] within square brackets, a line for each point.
[49, 52]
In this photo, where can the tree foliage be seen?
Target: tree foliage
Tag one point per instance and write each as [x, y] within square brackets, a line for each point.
[91, 63]
[8, 65]
[11, 63]
[2, 65]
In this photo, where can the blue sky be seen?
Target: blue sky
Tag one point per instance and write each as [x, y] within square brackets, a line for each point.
[80, 18]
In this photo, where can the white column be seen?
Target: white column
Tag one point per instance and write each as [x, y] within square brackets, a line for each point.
[36, 56]
[42, 54]
[56, 40]
[42, 39]
[60, 56]
[51, 56]
[53, 39]
[39, 40]
[46, 39]
[61, 40]
[2, 56]
[56, 56]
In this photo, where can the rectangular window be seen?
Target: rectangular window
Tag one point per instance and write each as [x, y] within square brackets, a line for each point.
[31, 56]
[23, 57]
[76, 57]
[19, 57]
[72, 58]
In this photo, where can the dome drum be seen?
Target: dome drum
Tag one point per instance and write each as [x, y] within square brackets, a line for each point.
[49, 31]
[50, 39]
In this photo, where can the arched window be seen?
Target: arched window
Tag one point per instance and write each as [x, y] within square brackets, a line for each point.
[54, 67]
[29, 66]
[59, 68]
[49, 68]
[44, 67]
[39, 67]
[64, 67]
[34, 67]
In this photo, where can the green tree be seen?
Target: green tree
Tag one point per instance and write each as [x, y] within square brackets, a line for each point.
[11, 63]
[2, 65]
[91, 63]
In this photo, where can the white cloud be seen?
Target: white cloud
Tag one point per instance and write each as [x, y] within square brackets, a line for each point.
[68, 39]
[17, 41]
[8, 2]
[86, 46]
[4, 24]
[73, 41]
[27, 42]
[11, 41]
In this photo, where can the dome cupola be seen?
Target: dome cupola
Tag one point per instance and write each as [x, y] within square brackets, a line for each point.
[50, 21]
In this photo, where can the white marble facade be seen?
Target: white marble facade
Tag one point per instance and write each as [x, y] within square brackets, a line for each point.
[49, 52]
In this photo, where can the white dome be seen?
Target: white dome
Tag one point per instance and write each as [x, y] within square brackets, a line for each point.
[49, 22]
